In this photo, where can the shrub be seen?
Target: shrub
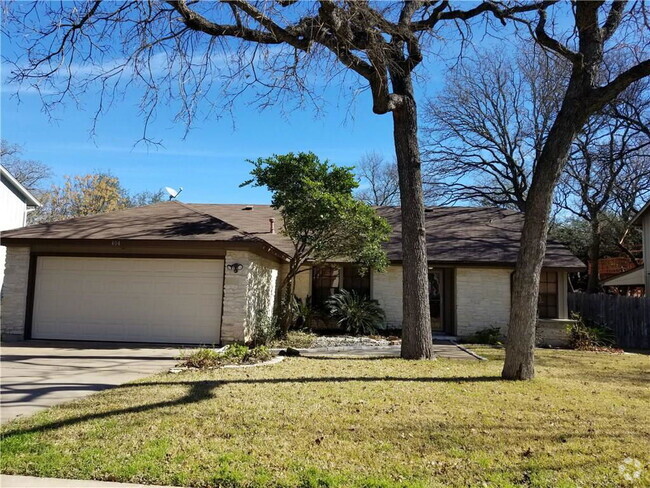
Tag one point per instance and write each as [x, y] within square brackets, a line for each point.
[200, 358]
[357, 315]
[265, 329]
[204, 358]
[296, 339]
[489, 335]
[589, 335]
[301, 312]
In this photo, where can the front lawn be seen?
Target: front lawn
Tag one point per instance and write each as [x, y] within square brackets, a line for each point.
[366, 423]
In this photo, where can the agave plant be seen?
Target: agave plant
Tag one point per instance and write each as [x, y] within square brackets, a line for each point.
[357, 314]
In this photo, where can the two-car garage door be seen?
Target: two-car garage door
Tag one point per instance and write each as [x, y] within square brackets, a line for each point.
[128, 299]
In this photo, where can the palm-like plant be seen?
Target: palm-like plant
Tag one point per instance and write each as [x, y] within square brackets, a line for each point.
[357, 314]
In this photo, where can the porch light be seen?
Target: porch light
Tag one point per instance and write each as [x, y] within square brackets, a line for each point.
[235, 267]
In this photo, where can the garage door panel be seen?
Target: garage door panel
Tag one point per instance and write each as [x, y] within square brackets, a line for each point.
[128, 299]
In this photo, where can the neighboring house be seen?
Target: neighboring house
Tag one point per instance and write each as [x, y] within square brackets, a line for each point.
[642, 219]
[628, 283]
[198, 273]
[15, 203]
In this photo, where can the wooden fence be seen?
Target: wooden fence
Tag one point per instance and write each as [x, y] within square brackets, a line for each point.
[628, 317]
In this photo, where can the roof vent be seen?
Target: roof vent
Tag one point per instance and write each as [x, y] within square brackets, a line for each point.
[249, 207]
[272, 225]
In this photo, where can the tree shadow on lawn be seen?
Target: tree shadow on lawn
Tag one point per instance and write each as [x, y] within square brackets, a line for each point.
[205, 389]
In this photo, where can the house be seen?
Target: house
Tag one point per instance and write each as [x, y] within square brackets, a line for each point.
[628, 283]
[202, 273]
[642, 219]
[15, 203]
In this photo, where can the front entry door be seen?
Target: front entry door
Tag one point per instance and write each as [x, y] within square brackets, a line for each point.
[435, 300]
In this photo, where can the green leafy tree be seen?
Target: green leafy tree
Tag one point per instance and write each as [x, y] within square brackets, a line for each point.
[320, 216]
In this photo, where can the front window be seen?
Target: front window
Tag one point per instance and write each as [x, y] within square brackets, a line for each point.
[325, 282]
[328, 279]
[548, 295]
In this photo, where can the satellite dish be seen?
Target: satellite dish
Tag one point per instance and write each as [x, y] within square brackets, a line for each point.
[173, 193]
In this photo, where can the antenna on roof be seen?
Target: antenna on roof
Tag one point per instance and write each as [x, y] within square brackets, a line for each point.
[173, 193]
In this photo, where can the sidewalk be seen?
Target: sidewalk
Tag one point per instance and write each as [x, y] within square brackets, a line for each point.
[7, 481]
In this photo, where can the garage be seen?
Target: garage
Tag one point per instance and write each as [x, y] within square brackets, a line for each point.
[128, 299]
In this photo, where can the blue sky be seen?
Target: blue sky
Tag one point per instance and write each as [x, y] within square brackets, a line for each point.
[210, 162]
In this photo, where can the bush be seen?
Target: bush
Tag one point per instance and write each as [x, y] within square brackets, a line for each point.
[205, 358]
[489, 335]
[357, 315]
[589, 335]
[301, 312]
[265, 329]
[296, 339]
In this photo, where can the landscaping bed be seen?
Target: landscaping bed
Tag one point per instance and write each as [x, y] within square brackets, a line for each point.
[232, 355]
[354, 423]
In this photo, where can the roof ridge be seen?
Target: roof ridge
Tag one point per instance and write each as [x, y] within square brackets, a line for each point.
[191, 209]
[242, 232]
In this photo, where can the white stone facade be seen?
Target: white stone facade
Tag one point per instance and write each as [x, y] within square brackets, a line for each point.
[482, 299]
[482, 296]
[248, 294]
[13, 305]
[386, 288]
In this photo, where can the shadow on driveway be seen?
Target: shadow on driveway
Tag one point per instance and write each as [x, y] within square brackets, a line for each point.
[35, 375]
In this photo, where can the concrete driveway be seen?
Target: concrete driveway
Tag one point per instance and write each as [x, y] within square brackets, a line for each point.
[35, 375]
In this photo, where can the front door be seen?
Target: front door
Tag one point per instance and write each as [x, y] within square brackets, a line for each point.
[435, 300]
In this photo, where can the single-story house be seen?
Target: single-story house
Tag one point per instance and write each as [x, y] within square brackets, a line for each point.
[202, 273]
[15, 203]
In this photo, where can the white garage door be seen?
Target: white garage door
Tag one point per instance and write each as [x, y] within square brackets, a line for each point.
[128, 299]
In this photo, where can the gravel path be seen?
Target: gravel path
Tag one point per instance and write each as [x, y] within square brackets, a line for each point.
[350, 341]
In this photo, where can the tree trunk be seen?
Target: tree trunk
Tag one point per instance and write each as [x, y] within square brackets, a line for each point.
[520, 344]
[593, 284]
[416, 320]
[287, 291]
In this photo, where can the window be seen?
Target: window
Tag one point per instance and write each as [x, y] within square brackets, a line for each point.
[548, 295]
[328, 279]
[325, 282]
[353, 280]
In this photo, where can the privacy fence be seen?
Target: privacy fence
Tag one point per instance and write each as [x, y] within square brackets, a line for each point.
[628, 317]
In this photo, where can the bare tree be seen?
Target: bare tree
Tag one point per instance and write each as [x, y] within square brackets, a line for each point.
[379, 180]
[176, 50]
[595, 27]
[485, 130]
[609, 165]
[29, 173]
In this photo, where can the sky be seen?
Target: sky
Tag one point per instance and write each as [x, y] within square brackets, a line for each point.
[209, 162]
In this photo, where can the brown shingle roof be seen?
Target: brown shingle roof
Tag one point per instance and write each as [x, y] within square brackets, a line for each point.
[455, 235]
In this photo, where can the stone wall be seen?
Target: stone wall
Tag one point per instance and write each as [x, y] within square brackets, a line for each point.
[249, 294]
[482, 299]
[553, 332]
[386, 288]
[13, 304]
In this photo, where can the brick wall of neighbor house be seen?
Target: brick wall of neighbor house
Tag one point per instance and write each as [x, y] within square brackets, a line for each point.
[482, 299]
[14, 293]
[386, 288]
[249, 293]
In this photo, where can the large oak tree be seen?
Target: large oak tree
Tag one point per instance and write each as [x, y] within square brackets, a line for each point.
[593, 83]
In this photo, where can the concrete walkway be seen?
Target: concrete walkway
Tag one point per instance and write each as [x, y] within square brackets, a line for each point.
[7, 481]
[35, 375]
[442, 349]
